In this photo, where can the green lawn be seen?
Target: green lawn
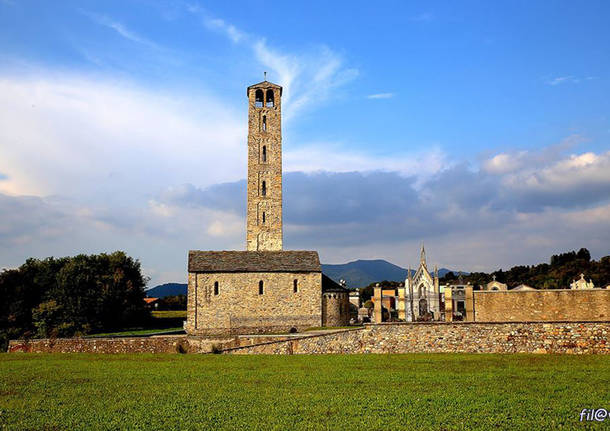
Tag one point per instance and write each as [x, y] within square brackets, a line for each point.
[162, 321]
[131, 332]
[341, 392]
[170, 314]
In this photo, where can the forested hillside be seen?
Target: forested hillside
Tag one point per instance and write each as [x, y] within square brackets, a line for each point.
[561, 270]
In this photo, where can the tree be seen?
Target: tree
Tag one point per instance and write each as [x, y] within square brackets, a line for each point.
[72, 295]
[177, 302]
[584, 254]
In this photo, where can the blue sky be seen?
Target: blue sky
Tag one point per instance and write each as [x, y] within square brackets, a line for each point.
[484, 127]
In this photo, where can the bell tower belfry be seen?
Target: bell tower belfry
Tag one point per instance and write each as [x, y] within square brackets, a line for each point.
[264, 209]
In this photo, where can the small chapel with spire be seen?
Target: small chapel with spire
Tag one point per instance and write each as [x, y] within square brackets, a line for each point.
[423, 296]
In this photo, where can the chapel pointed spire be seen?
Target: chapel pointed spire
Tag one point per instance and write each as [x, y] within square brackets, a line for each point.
[422, 259]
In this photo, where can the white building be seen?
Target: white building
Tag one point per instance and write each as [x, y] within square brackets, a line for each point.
[422, 293]
[581, 283]
[495, 285]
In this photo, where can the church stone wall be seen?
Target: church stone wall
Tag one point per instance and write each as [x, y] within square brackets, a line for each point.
[238, 308]
[542, 305]
[335, 309]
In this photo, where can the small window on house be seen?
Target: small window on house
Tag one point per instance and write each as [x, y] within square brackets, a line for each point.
[264, 189]
[215, 288]
[264, 218]
[264, 123]
[260, 287]
[264, 154]
[269, 99]
[258, 98]
[295, 286]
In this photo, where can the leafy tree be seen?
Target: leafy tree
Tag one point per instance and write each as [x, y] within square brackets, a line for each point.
[48, 320]
[177, 302]
[71, 295]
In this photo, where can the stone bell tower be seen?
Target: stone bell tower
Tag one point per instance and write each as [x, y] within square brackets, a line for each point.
[264, 212]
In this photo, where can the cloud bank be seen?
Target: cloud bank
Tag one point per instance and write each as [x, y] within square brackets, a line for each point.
[92, 165]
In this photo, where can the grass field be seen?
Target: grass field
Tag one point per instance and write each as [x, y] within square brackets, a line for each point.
[341, 392]
[162, 321]
[136, 332]
[170, 314]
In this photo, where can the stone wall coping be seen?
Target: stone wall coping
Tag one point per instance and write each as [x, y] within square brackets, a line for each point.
[118, 337]
[538, 290]
[301, 337]
[575, 322]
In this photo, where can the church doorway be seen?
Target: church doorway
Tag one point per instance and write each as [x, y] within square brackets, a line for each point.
[423, 307]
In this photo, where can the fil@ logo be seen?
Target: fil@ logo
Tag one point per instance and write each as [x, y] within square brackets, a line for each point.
[598, 415]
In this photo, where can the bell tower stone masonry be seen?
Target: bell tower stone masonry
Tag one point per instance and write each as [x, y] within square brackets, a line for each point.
[265, 288]
[264, 209]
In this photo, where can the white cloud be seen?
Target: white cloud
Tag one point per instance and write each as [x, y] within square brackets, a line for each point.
[380, 96]
[42, 227]
[503, 163]
[73, 134]
[306, 77]
[563, 80]
[340, 158]
[230, 30]
[120, 29]
[579, 172]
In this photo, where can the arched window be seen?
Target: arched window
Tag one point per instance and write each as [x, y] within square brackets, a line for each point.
[215, 288]
[258, 98]
[264, 154]
[295, 286]
[264, 189]
[269, 99]
[264, 123]
[260, 287]
[263, 217]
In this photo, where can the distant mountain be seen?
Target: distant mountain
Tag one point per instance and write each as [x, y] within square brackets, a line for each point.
[167, 289]
[361, 273]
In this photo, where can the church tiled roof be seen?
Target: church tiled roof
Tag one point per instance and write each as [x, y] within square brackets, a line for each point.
[329, 285]
[254, 261]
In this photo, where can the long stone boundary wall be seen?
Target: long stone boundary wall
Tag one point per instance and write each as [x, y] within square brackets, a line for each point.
[566, 305]
[168, 344]
[434, 337]
[463, 337]
[156, 344]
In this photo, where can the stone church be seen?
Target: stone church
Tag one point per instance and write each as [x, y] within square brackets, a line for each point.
[423, 298]
[262, 289]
